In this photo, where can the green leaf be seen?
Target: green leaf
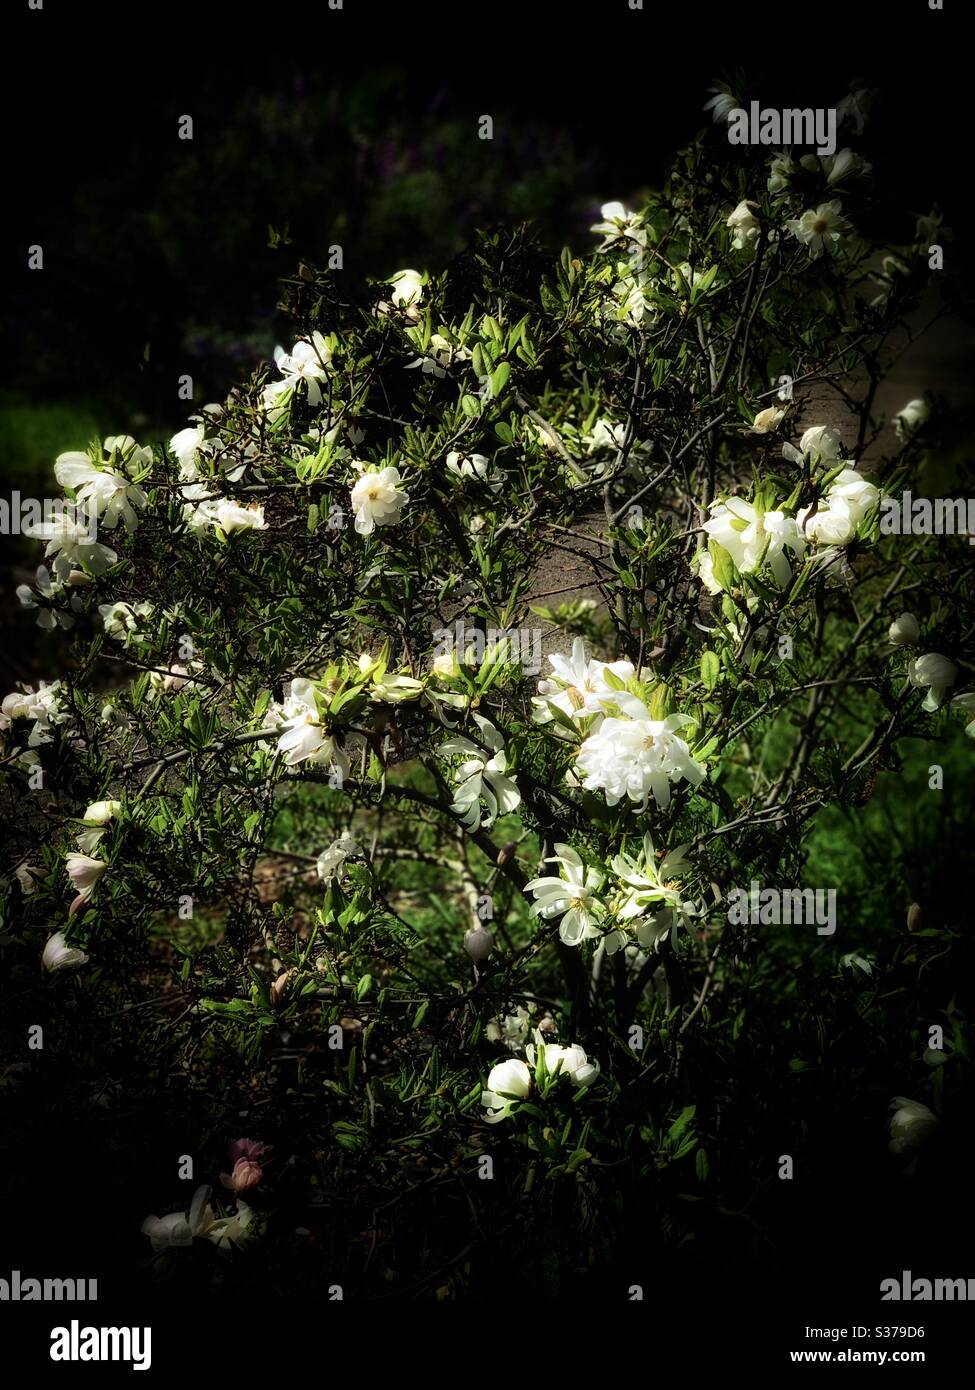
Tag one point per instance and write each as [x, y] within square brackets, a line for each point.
[681, 1123]
[710, 668]
[499, 378]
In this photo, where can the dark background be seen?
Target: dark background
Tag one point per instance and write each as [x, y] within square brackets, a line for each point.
[358, 127]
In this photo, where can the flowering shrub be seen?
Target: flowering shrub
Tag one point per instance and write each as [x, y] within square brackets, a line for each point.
[344, 872]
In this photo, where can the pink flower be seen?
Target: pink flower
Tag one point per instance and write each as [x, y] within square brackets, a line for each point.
[247, 1174]
[245, 1155]
[246, 1148]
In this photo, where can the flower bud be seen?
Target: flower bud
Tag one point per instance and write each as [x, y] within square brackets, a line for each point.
[247, 1174]
[911, 1125]
[914, 917]
[904, 631]
[478, 943]
[58, 955]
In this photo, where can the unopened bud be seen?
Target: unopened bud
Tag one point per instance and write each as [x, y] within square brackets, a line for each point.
[478, 943]
[78, 579]
[506, 852]
[914, 917]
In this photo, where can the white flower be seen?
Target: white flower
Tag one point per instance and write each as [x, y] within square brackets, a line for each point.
[377, 499]
[910, 1126]
[179, 1228]
[103, 492]
[230, 516]
[767, 420]
[573, 894]
[819, 228]
[605, 435]
[935, 673]
[440, 355]
[855, 492]
[58, 955]
[407, 288]
[513, 1030]
[834, 522]
[843, 165]
[307, 361]
[391, 688]
[507, 1083]
[630, 292]
[98, 814]
[185, 447]
[481, 777]
[904, 631]
[302, 738]
[965, 703]
[227, 1232]
[781, 170]
[121, 620]
[73, 543]
[24, 874]
[42, 705]
[752, 537]
[745, 225]
[577, 686]
[476, 467]
[829, 525]
[909, 420]
[51, 589]
[619, 224]
[652, 897]
[634, 755]
[84, 873]
[175, 678]
[703, 565]
[823, 441]
[568, 1061]
[330, 860]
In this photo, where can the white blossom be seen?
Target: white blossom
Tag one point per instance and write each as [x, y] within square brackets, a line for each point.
[72, 544]
[180, 1228]
[302, 737]
[910, 1126]
[910, 419]
[744, 225]
[632, 755]
[569, 1061]
[577, 686]
[58, 955]
[472, 467]
[619, 224]
[307, 361]
[481, 777]
[377, 499]
[819, 228]
[84, 873]
[767, 420]
[573, 896]
[331, 860]
[753, 538]
[935, 674]
[508, 1082]
[904, 631]
[781, 170]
